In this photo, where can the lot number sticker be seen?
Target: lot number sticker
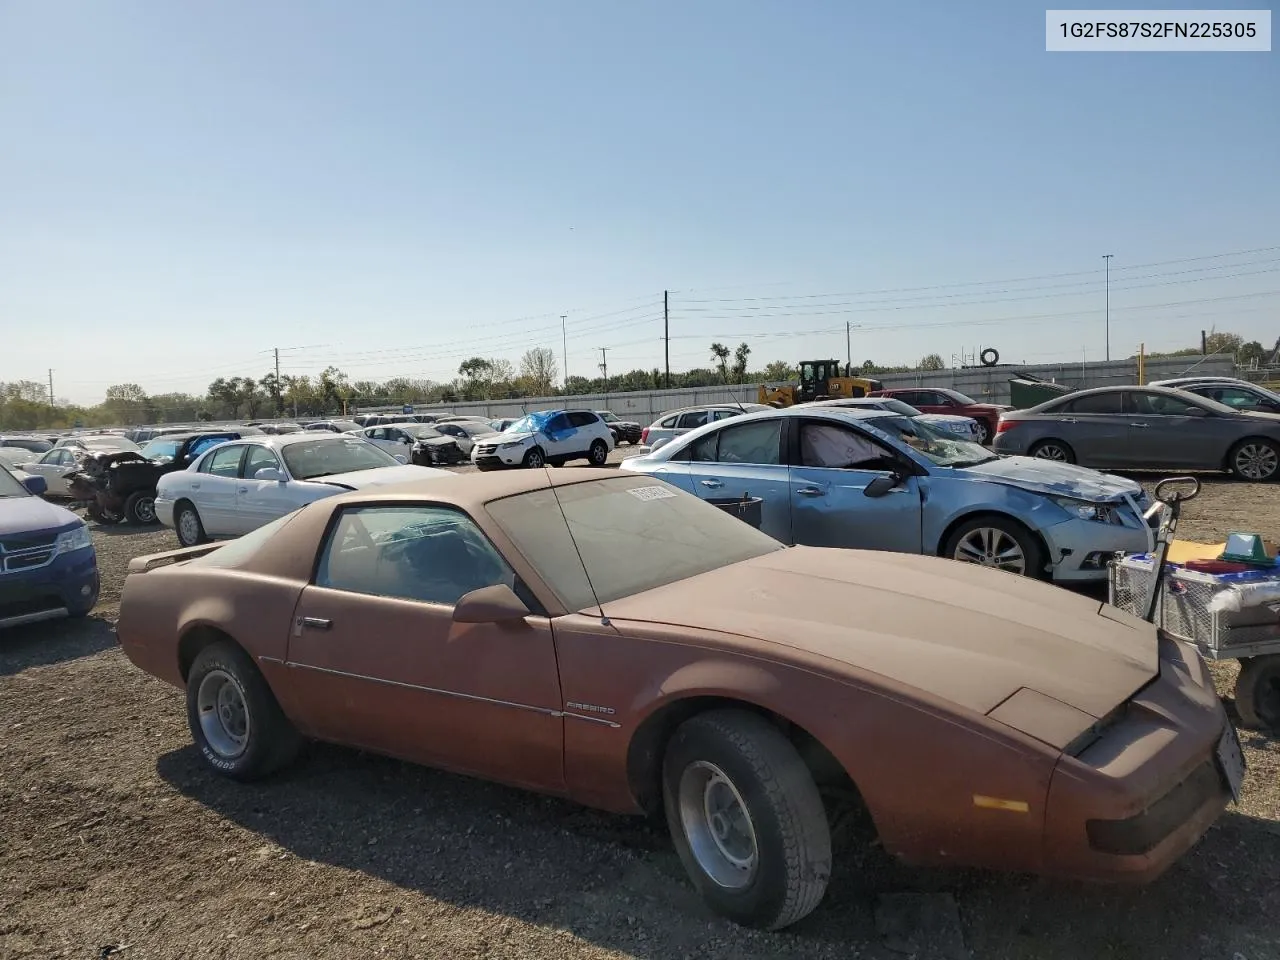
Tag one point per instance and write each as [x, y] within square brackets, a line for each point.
[651, 493]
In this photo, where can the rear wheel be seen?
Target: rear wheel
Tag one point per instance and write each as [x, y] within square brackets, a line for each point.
[1258, 692]
[599, 453]
[1053, 450]
[186, 521]
[235, 721]
[1255, 459]
[982, 433]
[746, 819]
[998, 542]
[140, 508]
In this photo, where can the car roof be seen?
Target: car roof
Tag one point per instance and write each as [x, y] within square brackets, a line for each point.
[471, 491]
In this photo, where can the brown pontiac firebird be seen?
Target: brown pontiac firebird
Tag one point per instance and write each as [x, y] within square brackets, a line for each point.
[614, 640]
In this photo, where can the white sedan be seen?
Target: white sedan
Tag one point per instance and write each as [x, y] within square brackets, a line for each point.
[54, 466]
[238, 486]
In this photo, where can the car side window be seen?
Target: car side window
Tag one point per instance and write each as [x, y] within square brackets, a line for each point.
[430, 554]
[831, 446]
[668, 423]
[723, 414]
[1158, 405]
[755, 443]
[688, 421]
[258, 458]
[581, 418]
[1235, 398]
[223, 462]
[1096, 403]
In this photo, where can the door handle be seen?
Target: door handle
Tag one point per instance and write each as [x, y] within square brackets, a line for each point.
[713, 484]
[242, 489]
[809, 492]
[195, 486]
[317, 623]
[1137, 425]
[1070, 420]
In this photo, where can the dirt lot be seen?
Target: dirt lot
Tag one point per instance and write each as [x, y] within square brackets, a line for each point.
[114, 841]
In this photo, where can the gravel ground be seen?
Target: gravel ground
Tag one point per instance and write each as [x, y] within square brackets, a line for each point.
[115, 841]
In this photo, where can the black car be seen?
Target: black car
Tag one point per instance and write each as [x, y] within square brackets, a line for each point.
[624, 431]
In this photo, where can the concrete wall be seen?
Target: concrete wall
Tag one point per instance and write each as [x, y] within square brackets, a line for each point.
[989, 384]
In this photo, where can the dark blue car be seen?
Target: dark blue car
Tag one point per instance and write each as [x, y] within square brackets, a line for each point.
[48, 568]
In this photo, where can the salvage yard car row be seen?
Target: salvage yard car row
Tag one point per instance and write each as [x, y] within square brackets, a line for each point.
[619, 639]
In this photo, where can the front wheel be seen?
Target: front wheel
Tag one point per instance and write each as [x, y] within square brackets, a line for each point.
[535, 459]
[1255, 459]
[996, 542]
[746, 819]
[981, 433]
[235, 721]
[599, 453]
[1053, 450]
[186, 522]
[140, 508]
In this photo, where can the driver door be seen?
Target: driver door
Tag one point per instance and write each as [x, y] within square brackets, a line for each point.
[378, 662]
[832, 465]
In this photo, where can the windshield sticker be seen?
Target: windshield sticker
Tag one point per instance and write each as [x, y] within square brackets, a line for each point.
[651, 493]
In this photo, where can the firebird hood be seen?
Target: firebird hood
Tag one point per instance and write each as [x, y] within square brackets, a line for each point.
[381, 476]
[966, 634]
[1055, 479]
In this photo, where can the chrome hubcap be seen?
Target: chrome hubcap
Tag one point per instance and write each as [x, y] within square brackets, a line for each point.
[224, 718]
[991, 547]
[535, 459]
[1256, 461]
[189, 526]
[1051, 452]
[721, 835]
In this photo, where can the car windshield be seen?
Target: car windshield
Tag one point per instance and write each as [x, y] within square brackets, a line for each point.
[9, 484]
[109, 443]
[633, 534]
[524, 425]
[164, 448]
[420, 431]
[325, 457]
[937, 446]
[958, 397]
[607, 416]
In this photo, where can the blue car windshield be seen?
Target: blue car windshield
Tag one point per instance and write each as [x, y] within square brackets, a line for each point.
[9, 485]
[937, 446]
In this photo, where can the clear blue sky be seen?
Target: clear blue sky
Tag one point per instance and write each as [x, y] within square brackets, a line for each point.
[400, 185]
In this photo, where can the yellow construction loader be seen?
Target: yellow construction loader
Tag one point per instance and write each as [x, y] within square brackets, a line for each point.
[819, 380]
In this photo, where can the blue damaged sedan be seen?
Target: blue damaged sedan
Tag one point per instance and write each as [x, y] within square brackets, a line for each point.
[876, 480]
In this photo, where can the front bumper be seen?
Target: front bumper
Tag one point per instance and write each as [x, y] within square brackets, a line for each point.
[68, 586]
[1151, 784]
[438, 455]
[164, 510]
[487, 455]
[1079, 550]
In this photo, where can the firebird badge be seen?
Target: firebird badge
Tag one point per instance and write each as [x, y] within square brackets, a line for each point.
[588, 707]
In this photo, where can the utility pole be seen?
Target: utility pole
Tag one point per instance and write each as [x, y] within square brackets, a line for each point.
[564, 338]
[666, 333]
[279, 391]
[1107, 258]
[848, 351]
[604, 366]
[51, 388]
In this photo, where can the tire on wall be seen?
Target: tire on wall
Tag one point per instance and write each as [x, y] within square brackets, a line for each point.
[746, 819]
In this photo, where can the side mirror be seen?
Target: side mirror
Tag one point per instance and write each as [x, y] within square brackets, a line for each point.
[402, 458]
[269, 473]
[880, 486]
[1198, 412]
[496, 604]
[36, 484]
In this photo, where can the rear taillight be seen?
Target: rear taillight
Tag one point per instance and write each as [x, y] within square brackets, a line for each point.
[644, 435]
[1004, 426]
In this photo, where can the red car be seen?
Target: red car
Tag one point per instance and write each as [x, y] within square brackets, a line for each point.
[953, 402]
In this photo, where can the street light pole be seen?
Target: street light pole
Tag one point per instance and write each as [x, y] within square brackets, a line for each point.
[1107, 259]
[564, 339]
